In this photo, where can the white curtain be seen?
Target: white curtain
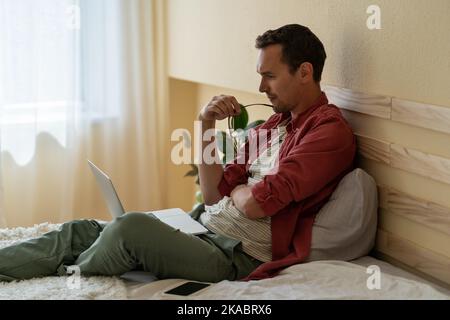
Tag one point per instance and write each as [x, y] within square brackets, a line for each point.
[81, 79]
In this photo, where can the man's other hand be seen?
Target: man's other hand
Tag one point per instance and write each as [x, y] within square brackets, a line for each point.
[245, 202]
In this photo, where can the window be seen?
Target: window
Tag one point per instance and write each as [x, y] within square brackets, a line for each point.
[54, 69]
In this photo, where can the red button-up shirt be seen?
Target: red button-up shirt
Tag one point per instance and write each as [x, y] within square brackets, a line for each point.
[317, 152]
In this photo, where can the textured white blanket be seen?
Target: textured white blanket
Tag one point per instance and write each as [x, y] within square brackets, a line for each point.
[54, 288]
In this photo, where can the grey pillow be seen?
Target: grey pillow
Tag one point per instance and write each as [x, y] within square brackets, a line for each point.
[345, 227]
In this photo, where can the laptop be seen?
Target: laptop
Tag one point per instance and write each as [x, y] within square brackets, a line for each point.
[174, 217]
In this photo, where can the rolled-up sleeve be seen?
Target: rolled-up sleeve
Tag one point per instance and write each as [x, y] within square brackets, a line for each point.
[233, 175]
[319, 157]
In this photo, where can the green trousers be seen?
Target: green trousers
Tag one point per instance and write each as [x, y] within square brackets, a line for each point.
[134, 241]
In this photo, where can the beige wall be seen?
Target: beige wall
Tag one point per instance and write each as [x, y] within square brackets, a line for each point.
[212, 42]
[183, 106]
[211, 47]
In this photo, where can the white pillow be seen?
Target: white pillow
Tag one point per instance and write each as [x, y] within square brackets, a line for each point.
[345, 227]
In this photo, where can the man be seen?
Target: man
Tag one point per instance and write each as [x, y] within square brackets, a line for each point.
[319, 151]
[259, 222]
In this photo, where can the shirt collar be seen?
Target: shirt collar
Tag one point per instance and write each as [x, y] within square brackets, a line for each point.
[292, 125]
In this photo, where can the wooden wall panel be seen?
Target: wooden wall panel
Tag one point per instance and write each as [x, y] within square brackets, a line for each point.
[395, 202]
[373, 149]
[419, 210]
[434, 167]
[411, 160]
[419, 258]
[423, 216]
[375, 105]
[422, 115]
[404, 181]
[417, 233]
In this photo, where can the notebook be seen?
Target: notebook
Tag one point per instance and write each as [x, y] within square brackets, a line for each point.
[174, 217]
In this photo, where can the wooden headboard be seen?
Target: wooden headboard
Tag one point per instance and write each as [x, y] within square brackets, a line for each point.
[405, 146]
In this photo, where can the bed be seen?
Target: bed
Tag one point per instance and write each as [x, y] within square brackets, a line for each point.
[326, 279]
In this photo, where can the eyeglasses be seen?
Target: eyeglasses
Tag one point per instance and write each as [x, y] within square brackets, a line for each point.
[230, 128]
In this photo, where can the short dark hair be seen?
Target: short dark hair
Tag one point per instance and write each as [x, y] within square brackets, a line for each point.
[299, 45]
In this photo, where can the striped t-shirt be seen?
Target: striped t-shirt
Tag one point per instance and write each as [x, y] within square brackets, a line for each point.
[225, 219]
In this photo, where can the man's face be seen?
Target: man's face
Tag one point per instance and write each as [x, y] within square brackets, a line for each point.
[281, 87]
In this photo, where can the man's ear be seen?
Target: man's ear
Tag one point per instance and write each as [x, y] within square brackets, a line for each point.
[306, 71]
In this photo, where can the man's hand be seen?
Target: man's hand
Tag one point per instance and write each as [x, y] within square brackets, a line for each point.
[243, 200]
[219, 108]
[210, 174]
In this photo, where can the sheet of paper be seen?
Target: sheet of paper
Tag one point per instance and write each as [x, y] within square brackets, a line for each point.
[179, 219]
[168, 212]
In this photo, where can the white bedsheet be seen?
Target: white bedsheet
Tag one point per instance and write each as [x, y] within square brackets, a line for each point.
[313, 280]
